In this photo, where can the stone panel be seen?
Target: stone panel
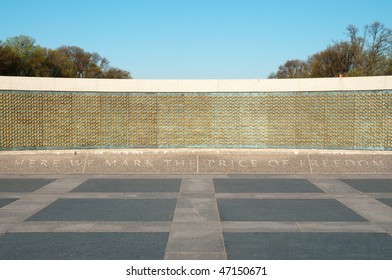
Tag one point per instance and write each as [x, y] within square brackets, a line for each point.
[49, 120]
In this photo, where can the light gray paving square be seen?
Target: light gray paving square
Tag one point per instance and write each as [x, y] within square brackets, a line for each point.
[196, 228]
[245, 226]
[196, 200]
[6, 226]
[339, 227]
[195, 256]
[245, 195]
[9, 195]
[52, 226]
[187, 242]
[303, 196]
[196, 185]
[196, 214]
[380, 195]
[156, 226]
[386, 226]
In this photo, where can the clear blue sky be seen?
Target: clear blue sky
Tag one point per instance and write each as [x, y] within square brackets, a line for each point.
[191, 39]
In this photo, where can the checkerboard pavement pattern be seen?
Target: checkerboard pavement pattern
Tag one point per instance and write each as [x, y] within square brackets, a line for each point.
[196, 217]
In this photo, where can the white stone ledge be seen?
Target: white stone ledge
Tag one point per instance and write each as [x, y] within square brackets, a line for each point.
[194, 151]
[133, 85]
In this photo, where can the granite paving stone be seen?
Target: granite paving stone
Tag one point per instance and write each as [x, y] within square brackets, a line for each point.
[197, 185]
[189, 242]
[370, 185]
[308, 246]
[264, 186]
[197, 227]
[274, 196]
[285, 210]
[108, 210]
[195, 256]
[83, 226]
[196, 214]
[129, 185]
[380, 195]
[196, 200]
[5, 201]
[196, 217]
[23, 185]
[386, 226]
[339, 227]
[14, 215]
[386, 201]
[135, 226]
[30, 205]
[370, 208]
[257, 226]
[119, 195]
[196, 231]
[83, 246]
[62, 185]
[52, 226]
[6, 226]
[334, 187]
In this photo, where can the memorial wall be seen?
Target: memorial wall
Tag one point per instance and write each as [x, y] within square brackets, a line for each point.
[341, 113]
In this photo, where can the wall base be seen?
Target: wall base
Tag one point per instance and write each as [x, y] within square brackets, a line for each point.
[196, 161]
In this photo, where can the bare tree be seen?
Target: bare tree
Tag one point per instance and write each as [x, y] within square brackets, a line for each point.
[371, 49]
[365, 53]
[379, 46]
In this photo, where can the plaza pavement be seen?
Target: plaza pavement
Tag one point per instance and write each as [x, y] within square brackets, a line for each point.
[196, 217]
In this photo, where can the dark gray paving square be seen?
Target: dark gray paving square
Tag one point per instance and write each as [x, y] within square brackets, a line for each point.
[308, 246]
[107, 210]
[83, 246]
[386, 201]
[370, 185]
[130, 185]
[5, 201]
[264, 186]
[285, 210]
[23, 185]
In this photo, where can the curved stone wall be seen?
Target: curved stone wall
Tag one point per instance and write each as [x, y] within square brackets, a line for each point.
[66, 113]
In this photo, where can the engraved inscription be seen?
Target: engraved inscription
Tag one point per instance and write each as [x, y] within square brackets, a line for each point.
[196, 163]
[211, 163]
